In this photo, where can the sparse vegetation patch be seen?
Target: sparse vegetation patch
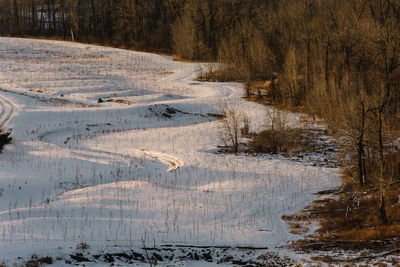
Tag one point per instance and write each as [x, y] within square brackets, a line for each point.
[5, 138]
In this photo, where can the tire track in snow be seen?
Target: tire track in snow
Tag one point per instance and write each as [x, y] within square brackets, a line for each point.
[172, 161]
[8, 110]
[187, 77]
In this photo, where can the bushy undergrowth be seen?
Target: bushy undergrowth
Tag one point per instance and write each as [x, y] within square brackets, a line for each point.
[354, 217]
[5, 138]
[289, 141]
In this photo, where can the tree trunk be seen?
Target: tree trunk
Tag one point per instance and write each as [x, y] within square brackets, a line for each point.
[327, 49]
[33, 11]
[42, 27]
[360, 150]
[93, 18]
[63, 26]
[55, 30]
[382, 210]
[308, 60]
[16, 18]
[398, 167]
[380, 136]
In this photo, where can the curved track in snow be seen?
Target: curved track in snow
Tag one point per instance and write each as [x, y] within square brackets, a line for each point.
[8, 110]
[173, 162]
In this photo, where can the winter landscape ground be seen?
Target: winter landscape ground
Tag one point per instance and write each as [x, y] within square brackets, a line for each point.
[137, 169]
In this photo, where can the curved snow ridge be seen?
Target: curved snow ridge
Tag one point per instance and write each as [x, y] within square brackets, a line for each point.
[50, 98]
[186, 76]
[106, 157]
[8, 110]
[172, 161]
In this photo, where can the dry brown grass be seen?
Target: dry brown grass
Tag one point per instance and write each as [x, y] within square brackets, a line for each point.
[91, 41]
[351, 221]
[120, 101]
[262, 93]
[289, 141]
[221, 75]
[176, 57]
[92, 56]
[298, 228]
[54, 38]
[82, 245]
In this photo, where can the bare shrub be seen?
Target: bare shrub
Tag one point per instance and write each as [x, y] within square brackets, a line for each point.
[82, 245]
[245, 130]
[278, 122]
[229, 128]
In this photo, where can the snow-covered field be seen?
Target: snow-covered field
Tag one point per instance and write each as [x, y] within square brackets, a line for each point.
[138, 165]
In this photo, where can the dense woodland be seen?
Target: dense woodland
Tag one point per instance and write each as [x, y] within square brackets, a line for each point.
[338, 59]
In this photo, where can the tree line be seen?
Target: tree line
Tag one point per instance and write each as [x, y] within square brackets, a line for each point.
[339, 59]
[128, 23]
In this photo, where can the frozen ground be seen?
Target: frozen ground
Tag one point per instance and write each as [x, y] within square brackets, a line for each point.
[137, 168]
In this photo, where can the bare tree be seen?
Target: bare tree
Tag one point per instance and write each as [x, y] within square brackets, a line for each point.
[229, 128]
[278, 122]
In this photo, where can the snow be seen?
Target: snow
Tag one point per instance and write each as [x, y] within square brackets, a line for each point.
[110, 174]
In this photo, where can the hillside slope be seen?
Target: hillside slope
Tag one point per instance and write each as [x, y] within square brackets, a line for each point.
[140, 163]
